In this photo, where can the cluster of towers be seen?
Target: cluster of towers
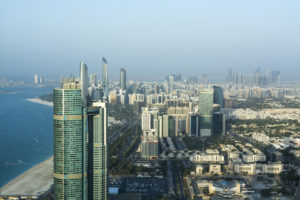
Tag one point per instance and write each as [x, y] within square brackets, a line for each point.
[181, 118]
[80, 140]
[257, 78]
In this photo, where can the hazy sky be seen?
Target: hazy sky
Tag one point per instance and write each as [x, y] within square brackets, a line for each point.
[150, 39]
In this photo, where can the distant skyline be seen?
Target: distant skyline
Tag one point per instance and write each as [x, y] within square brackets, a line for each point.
[150, 39]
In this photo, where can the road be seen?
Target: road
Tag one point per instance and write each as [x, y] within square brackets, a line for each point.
[118, 133]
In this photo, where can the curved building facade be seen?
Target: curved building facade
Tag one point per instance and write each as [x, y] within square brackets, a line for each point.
[70, 143]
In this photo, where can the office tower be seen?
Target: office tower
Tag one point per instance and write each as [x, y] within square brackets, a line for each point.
[194, 127]
[93, 79]
[36, 79]
[218, 124]
[206, 111]
[171, 83]
[122, 79]
[275, 78]
[70, 142]
[104, 77]
[84, 83]
[97, 152]
[80, 142]
[41, 80]
[168, 126]
[218, 96]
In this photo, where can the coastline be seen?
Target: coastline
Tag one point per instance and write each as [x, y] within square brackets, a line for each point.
[40, 101]
[37, 179]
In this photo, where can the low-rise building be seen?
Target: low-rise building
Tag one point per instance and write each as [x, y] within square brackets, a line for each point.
[207, 158]
[215, 168]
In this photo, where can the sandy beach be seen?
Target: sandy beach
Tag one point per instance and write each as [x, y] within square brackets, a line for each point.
[32, 182]
[35, 180]
[40, 101]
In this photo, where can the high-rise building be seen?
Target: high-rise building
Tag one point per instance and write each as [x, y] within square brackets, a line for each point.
[41, 80]
[104, 77]
[218, 124]
[97, 152]
[70, 142]
[149, 139]
[218, 96]
[149, 144]
[80, 142]
[36, 79]
[171, 83]
[84, 83]
[275, 78]
[168, 126]
[206, 112]
[93, 79]
[194, 127]
[122, 79]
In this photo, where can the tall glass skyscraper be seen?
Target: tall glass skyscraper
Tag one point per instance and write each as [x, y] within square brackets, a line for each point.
[104, 77]
[80, 143]
[97, 152]
[122, 79]
[206, 112]
[70, 142]
[218, 96]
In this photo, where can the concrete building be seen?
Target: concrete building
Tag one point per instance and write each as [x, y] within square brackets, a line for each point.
[206, 158]
[245, 168]
[215, 168]
[149, 145]
[199, 169]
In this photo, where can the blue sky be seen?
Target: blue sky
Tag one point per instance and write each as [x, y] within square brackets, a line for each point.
[150, 39]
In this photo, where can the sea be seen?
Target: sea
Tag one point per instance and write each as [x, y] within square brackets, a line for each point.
[26, 131]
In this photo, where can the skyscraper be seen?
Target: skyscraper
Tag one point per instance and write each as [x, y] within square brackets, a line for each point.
[84, 82]
[70, 142]
[80, 142]
[218, 96]
[149, 139]
[104, 77]
[36, 79]
[171, 83]
[97, 152]
[206, 112]
[122, 79]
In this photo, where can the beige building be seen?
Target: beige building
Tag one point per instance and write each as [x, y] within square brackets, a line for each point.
[215, 168]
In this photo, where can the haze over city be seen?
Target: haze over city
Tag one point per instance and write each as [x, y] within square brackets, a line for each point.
[149, 38]
[149, 100]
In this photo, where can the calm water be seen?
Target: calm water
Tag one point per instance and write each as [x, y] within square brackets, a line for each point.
[26, 136]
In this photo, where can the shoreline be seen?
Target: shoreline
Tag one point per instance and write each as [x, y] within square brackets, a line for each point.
[40, 101]
[34, 181]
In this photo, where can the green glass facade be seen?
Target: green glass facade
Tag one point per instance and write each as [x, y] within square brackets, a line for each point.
[206, 111]
[70, 144]
[97, 157]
